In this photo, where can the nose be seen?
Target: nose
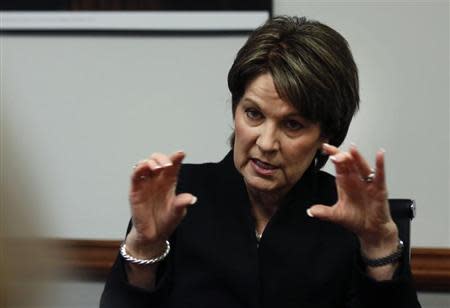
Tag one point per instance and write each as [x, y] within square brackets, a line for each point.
[267, 140]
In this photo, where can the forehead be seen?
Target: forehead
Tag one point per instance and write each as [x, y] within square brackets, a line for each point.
[263, 93]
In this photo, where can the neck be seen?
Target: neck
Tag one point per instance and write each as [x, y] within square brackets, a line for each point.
[263, 206]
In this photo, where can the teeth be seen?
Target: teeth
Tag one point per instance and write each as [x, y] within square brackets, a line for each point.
[264, 165]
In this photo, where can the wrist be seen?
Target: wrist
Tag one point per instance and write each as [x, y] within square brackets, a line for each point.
[141, 261]
[381, 243]
[144, 248]
[390, 259]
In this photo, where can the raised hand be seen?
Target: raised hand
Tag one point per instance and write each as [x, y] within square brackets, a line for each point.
[156, 209]
[362, 205]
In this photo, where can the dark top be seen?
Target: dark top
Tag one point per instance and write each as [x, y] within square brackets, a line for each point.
[300, 261]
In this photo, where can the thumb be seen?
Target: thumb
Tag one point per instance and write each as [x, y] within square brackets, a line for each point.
[322, 212]
[182, 201]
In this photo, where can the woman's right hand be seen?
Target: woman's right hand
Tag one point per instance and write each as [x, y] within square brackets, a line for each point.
[156, 209]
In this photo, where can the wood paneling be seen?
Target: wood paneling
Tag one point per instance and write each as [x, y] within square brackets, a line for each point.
[431, 268]
[86, 259]
[92, 259]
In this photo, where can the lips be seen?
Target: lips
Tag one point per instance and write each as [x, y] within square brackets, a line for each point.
[263, 165]
[263, 168]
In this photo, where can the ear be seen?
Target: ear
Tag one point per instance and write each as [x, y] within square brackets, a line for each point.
[323, 140]
[231, 140]
[234, 108]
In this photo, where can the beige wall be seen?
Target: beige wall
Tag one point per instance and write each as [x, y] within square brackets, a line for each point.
[402, 50]
[78, 111]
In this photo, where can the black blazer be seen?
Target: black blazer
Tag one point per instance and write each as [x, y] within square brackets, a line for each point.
[300, 261]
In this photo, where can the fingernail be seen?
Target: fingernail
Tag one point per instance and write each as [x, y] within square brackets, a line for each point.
[352, 144]
[193, 200]
[308, 211]
[333, 158]
[326, 144]
[383, 150]
[167, 165]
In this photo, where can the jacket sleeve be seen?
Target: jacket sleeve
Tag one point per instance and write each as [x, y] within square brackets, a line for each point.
[399, 292]
[118, 292]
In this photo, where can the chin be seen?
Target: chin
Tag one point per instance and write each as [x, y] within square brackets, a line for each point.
[260, 184]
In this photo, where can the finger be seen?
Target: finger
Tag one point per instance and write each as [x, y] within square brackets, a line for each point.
[151, 167]
[362, 165]
[348, 180]
[161, 159]
[354, 165]
[142, 161]
[147, 169]
[380, 176]
[154, 165]
[140, 171]
[184, 200]
[341, 162]
[328, 149]
[141, 165]
[144, 170]
[322, 212]
[176, 159]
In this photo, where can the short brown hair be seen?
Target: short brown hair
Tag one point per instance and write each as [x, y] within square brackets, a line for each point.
[312, 68]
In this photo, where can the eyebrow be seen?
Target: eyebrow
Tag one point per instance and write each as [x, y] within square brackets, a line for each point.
[291, 114]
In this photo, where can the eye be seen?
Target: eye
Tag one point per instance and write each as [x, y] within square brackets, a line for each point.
[253, 114]
[293, 125]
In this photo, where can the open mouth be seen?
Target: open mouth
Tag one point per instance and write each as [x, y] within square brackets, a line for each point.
[263, 168]
[263, 165]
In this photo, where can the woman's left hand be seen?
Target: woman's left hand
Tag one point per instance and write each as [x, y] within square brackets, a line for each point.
[362, 206]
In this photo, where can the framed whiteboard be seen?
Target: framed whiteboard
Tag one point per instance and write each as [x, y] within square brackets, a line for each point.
[136, 16]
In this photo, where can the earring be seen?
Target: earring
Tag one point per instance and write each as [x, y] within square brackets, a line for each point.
[319, 160]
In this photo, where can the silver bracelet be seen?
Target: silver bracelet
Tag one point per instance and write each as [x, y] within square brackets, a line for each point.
[131, 259]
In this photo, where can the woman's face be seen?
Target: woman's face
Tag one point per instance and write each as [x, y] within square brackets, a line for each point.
[273, 144]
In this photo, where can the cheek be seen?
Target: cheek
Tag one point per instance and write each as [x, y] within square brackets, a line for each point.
[241, 143]
[243, 136]
[301, 157]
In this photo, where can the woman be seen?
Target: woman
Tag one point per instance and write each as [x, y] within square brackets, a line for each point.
[265, 227]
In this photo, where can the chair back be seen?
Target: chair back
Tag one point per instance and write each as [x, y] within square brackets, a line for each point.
[402, 212]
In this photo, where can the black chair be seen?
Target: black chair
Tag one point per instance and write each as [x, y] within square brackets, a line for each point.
[402, 212]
